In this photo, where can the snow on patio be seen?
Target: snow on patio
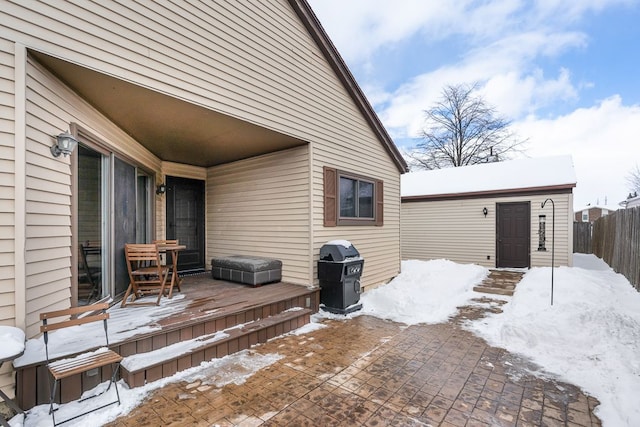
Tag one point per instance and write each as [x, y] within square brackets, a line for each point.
[590, 337]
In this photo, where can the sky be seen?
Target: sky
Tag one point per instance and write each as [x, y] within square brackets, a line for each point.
[564, 73]
[589, 337]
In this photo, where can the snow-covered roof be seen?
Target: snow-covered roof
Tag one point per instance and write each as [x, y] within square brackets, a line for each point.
[516, 175]
[606, 207]
[631, 202]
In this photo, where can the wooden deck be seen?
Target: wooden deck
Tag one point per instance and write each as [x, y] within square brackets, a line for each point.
[207, 319]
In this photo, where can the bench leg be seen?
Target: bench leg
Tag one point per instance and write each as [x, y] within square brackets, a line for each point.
[112, 380]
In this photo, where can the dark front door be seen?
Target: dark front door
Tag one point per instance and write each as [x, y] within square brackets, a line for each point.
[185, 220]
[513, 235]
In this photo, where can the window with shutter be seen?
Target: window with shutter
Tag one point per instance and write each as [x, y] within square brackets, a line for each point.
[330, 190]
[351, 199]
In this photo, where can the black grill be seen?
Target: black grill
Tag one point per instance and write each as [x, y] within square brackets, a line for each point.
[339, 271]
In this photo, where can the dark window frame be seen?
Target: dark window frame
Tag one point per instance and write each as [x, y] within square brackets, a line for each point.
[332, 216]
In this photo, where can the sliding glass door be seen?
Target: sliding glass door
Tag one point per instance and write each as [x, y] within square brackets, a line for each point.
[92, 202]
[114, 206]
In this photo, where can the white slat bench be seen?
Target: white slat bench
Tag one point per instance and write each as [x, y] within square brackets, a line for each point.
[64, 368]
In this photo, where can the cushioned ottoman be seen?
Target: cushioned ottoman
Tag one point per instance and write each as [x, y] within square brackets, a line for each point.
[251, 270]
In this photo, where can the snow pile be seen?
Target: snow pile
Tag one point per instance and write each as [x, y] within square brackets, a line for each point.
[12, 340]
[425, 292]
[590, 337]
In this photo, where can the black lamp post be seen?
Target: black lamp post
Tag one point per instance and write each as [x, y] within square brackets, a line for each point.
[553, 238]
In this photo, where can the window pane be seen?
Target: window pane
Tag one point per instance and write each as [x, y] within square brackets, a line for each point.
[365, 200]
[90, 219]
[347, 197]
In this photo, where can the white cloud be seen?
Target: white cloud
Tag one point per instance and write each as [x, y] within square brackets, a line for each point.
[514, 94]
[603, 141]
[360, 27]
[504, 45]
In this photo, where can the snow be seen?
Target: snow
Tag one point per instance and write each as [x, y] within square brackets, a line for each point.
[12, 340]
[345, 243]
[141, 360]
[232, 369]
[507, 175]
[123, 323]
[440, 286]
[610, 208]
[590, 337]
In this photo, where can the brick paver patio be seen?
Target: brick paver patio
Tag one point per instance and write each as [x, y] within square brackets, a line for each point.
[373, 372]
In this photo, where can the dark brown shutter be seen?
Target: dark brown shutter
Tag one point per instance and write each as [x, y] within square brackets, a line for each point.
[330, 197]
[379, 204]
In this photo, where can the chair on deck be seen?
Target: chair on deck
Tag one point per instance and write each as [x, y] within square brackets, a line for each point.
[90, 361]
[147, 274]
[169, 262]
[92, 272]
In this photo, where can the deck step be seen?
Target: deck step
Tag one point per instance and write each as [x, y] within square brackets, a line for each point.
[142, 368]
[209, 310]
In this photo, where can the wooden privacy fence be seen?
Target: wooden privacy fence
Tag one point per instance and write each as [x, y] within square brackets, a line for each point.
[616, 239]
[582, 237]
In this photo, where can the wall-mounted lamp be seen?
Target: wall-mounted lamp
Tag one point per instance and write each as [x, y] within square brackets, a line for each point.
[65, 144]
[485, 211]
[161, 189]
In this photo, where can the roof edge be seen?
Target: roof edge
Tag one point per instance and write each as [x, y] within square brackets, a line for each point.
[317, 32]
[530, 191]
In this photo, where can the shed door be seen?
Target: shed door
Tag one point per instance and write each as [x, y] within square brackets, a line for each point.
[513, 235]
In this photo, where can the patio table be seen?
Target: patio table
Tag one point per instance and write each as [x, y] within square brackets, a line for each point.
[173, 250]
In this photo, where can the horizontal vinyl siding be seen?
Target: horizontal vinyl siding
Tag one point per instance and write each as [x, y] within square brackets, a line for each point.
[7, 184]
[249, 59]
[353, 147]
[7, 200]
[457, 230]
[360, 153]
[260, 206]
[51, 107]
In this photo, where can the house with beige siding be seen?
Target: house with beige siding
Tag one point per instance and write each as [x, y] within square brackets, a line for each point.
[491, 214]
[228, 125]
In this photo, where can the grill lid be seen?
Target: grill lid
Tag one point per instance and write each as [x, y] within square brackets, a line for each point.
[338, 250]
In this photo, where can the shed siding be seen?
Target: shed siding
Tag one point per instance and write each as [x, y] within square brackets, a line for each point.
[260, 206]
[457, 230]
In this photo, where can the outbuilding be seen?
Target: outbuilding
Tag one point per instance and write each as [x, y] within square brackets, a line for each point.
[509, 214]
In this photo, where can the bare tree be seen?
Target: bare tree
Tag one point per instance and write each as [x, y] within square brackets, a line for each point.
[462, 129]
[633, 179]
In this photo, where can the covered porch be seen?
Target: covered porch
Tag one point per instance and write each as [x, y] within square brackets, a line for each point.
[207, 319]
[179, 173]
